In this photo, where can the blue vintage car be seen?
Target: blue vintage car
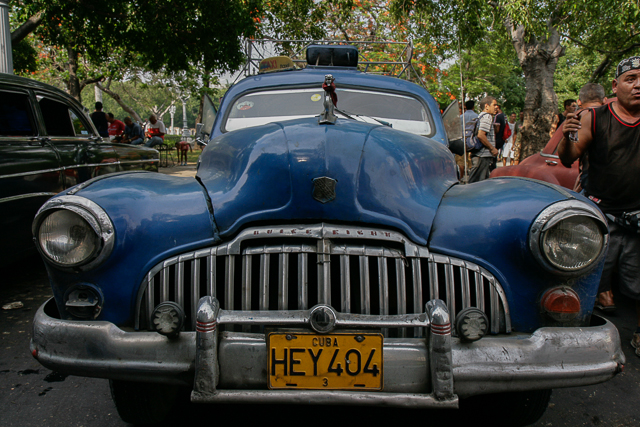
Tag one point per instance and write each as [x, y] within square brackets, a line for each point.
[325, 254]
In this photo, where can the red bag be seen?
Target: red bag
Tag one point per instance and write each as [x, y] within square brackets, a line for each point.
[507, 132]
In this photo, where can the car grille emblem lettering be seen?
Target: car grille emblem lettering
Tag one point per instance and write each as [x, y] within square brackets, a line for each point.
[324, 189]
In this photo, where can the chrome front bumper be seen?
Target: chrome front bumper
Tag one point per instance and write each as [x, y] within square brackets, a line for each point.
[418, 372]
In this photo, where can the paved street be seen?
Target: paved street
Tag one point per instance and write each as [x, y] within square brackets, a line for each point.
[31, 395]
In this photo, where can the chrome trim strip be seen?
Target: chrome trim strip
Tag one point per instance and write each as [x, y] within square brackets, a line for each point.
[78, 166]
[38, 172]
[26, 196]
[322, 397]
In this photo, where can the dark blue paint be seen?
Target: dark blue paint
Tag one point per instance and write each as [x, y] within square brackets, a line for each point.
[155, 216]
[384, 177]
[488, 223]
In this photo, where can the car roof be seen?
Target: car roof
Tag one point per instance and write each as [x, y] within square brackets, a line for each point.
[26, 83]
[342, 75]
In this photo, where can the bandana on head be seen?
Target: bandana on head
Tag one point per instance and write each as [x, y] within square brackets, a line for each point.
[628, 64]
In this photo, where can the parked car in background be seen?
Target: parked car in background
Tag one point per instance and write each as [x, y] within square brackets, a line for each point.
[325, 253]
[544, 166]
[48, 144]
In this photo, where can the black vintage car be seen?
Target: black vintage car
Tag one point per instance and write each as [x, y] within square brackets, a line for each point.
[47, 144]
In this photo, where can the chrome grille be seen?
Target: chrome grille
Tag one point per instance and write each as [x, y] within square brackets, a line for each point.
[363, 271]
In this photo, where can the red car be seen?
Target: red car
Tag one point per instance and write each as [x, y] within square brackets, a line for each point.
[544, 166]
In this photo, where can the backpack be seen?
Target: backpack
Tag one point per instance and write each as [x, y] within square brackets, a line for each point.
[507, 132]
[473, 143]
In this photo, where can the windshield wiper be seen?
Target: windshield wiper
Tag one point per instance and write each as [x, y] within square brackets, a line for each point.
[382, 122]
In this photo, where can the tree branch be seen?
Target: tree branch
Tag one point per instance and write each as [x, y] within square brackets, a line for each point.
[27, 28]
[120, 102]
[602, 51]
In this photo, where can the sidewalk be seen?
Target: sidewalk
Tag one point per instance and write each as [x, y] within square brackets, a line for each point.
[188, 171]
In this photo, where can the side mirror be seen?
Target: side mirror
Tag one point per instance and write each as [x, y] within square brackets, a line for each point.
[200, 135]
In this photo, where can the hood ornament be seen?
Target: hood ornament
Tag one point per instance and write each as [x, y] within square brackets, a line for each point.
[324, 189]
[327, 117]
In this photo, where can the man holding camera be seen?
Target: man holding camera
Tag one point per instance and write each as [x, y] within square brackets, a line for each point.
[610, 134]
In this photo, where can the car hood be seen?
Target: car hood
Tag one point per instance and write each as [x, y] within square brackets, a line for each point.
[382, 176]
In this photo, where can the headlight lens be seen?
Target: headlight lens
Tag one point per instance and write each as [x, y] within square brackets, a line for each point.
[67, 238]
[573, 243]
[569, 237]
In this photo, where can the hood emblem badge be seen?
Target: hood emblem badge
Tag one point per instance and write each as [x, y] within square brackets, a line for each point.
[324, 189]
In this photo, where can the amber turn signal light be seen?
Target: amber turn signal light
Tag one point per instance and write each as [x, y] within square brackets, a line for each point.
[561, 304]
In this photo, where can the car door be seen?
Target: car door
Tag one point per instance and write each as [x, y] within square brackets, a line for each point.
[132, 157]
[75, 140]
[30, 171]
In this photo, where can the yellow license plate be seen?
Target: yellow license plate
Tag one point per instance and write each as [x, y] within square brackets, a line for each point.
[325, 362]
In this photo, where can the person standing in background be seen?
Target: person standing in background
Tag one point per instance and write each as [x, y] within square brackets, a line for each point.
[507, 148]
[99, 119]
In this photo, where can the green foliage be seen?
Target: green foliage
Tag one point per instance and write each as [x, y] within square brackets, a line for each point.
[25, 57]
[490, 67]
[160, 34]
[574, 70]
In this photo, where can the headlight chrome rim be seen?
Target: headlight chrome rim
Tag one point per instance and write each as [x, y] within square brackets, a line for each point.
[93, 215]
[554, 215]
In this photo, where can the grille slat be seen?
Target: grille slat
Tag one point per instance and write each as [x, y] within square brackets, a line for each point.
[345, 283]
[365, 285]
[230, 274]
[195, 290]
[303, 281]
[264, 281]
[283, 276]
[211, 277]
[246, 282]
[179, 280]
[324, 272]
[400, 284]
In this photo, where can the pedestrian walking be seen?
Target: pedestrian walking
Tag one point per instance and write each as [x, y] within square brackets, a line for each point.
[481, 160]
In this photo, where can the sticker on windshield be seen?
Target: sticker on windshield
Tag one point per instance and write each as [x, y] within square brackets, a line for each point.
[316, 97]
[245, 105]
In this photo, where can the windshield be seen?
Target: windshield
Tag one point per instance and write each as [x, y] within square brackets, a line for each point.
[402, 112]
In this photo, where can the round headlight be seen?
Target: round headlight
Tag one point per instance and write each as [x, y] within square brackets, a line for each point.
[73, 232]
[568, 237]
[573, 243]
[67, 239]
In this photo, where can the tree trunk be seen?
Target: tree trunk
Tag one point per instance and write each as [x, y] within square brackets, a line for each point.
[73, 84]
[118, 99]
[538, 60]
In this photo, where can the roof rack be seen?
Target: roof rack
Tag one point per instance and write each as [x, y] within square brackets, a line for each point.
[258, 49]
